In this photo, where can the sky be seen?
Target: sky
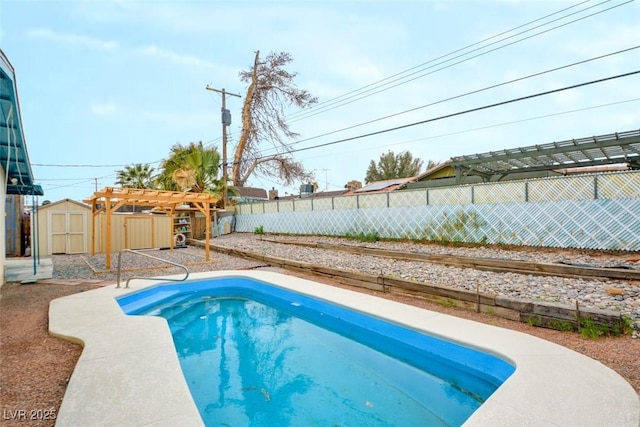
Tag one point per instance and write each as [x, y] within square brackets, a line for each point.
[103, 84]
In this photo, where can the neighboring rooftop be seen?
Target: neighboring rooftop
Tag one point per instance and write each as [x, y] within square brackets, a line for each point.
[383, 186]
[249, 194]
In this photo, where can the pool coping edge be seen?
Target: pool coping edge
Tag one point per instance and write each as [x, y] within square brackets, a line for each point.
[115, 381]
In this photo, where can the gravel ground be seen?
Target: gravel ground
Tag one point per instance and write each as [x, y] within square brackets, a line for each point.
[134, 265]
[616, 295]
[35, 367]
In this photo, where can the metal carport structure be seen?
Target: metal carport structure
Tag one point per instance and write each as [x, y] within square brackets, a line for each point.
[535, 161]
[620, 147]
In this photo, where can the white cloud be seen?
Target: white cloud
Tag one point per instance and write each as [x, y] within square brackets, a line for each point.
[75, 39]
[178, 58]
[112, 46]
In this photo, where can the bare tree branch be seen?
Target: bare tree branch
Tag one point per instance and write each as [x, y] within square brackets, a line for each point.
[270, 90]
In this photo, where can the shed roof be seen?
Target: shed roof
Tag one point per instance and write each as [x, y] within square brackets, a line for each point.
[60, 202]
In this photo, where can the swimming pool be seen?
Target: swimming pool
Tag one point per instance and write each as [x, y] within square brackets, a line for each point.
[129, 373]
[255, 354]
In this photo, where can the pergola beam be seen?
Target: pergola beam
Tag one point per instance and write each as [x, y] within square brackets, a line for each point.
[110, 199]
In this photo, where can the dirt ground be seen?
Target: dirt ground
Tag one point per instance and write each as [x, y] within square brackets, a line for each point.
[35, 367]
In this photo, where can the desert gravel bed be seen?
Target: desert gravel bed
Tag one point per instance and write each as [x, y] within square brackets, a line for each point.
[615, 295]
[73, 267]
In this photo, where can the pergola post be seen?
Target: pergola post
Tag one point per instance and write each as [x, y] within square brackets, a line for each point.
[108, 235]
[172, 240]
[207, 231]
[93, 227]
[113, 198]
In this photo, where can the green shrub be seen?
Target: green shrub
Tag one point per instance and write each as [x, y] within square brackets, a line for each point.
[590, 329]
[560, 325]
[593, 330]
[258, 230]
[534, 321]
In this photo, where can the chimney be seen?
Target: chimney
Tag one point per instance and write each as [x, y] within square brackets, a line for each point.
[273, 194]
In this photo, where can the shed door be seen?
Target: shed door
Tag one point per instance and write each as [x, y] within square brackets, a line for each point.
[67, 232]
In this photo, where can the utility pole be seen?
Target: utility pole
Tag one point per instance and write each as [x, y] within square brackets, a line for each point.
[226, 121]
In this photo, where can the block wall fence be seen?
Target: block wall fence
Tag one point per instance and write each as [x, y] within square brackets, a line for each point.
[591, 211]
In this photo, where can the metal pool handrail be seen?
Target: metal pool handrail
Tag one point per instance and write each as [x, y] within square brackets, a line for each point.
[186, 270]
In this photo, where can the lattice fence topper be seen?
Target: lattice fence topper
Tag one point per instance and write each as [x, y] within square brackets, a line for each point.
[600, 211]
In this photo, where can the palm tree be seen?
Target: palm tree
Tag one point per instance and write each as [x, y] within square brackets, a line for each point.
[137, 175]
[191, 168]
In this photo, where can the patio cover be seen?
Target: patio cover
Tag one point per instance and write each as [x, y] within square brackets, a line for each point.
[110, 199]
[14, 157]
[620, 147]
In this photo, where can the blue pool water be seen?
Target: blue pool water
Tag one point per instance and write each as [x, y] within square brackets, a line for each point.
[255, 354]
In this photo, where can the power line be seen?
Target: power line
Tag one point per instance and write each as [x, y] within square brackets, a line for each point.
[466, 94]
[77, 166]
[80, 182]
[495, 125]
[62, 179]
[309, 113]
[438, 58]
[510, 101]
[208, 143]
[441, 57]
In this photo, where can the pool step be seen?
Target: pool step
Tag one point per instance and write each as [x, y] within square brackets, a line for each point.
[165, 305]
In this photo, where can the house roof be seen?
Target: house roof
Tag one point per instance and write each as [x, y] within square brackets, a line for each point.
[333, 193]
[317, 195]
[14, 157]
[384, 186]
[251, 192]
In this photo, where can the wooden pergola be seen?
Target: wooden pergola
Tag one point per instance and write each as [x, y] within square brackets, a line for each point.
[110, 199]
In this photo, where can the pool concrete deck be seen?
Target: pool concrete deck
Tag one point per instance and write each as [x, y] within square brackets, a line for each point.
[129, 373]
